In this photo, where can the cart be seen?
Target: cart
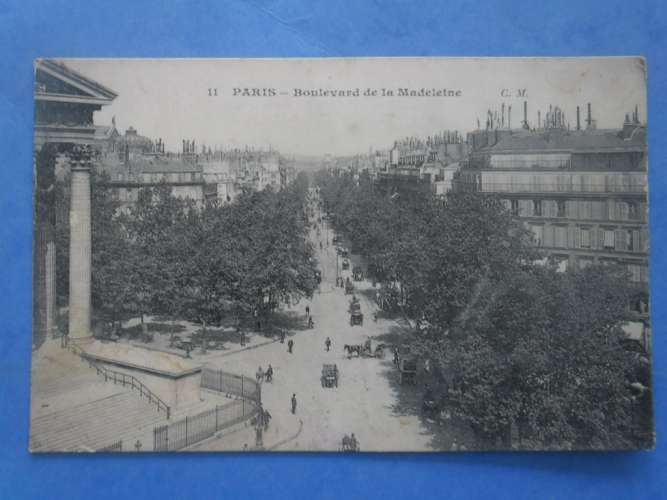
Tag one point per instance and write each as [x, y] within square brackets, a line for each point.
[357, 273]
[356, 317]
[349, 287]
[329, 375]
[407, 370]
[346, 264]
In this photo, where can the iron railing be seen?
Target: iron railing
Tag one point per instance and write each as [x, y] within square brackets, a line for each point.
[232, 384]
[122, 378]
[192, 429]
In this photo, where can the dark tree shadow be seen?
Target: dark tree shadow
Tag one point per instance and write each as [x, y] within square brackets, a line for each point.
[442, 428]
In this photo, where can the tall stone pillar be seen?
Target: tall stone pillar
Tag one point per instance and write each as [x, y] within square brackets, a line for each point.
[44, 249]
[80, 253]
[50, 285]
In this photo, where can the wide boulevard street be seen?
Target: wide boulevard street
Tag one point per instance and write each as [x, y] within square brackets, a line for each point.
[366, 401]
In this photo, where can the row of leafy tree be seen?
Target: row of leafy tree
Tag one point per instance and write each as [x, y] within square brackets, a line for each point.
[206, 262]
[518, 345]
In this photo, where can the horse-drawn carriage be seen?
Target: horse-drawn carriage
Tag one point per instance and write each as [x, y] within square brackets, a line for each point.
[356, 317]
[406, 363]
[329, 375]
[357, 273]
[349, 443]
[346, 264]
[365, 350]
[407, 367]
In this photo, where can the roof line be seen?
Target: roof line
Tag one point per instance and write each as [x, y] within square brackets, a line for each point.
[75, 78]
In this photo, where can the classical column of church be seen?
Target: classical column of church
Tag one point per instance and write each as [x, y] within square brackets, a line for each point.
[44, 247]
[80, 253]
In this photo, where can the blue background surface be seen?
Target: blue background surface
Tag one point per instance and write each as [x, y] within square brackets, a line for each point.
[314, 29]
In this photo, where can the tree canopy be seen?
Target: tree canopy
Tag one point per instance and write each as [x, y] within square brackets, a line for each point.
[519, 345]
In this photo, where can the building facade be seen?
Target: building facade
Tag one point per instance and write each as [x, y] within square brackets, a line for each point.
[581, 192]
[431, 161]
[65, 132]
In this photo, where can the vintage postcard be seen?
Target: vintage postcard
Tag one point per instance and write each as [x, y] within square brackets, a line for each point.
[354, 255]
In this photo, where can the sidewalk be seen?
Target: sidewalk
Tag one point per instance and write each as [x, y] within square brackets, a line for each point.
[242, 437]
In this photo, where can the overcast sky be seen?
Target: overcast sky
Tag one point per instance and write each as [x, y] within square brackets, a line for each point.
[170, 98]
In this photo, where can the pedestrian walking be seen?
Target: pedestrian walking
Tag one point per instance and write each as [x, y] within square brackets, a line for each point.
[259, 375]
[307, 311]
[354, 444]
[259, 438]
[293, 404]
[282, 336]
[327, 343]
[290, 345]
[268, 376]
[267, 418]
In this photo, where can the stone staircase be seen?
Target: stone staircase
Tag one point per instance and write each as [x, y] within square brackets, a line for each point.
[95, 424]
[74, 409]
[62, 380]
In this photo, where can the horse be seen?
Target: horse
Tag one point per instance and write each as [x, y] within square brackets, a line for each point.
[350, 349]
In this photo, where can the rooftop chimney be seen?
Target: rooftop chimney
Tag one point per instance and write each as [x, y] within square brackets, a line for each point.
[539, 119]
[589, 119]
[502, 118]
[578, 120]
[525, 115]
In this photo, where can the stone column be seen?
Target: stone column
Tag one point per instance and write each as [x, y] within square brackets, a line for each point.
[50, 284]
[79, 253]
[44, 251]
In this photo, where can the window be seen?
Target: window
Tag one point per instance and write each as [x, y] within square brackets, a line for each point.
[514, 207]
[537, 208]
[629, 240]
[585, 235]
[635, 272]
[560, 236]
[560, 208]
[632, 210]
[609, 241]
[538, 234]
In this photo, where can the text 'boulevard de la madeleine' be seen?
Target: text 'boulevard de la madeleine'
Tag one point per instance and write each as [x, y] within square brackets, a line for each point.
[352, 92]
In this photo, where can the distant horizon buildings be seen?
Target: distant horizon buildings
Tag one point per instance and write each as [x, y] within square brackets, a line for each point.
[132, 161]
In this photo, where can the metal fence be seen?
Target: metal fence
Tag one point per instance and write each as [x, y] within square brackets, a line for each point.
[230, 383]
[190, 430]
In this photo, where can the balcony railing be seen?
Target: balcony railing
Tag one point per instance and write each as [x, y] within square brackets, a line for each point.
[531, 188]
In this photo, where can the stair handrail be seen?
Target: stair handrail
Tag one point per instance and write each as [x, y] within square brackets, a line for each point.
[125, 378]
